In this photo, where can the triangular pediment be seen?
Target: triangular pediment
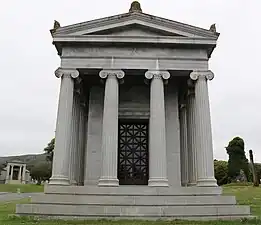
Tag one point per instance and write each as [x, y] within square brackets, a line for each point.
[134, 30]
[134, 24]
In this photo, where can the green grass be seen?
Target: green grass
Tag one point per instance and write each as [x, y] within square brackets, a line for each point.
[246, 195]
[24, 188]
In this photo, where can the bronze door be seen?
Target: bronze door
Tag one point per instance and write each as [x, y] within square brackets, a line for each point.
[133, 166]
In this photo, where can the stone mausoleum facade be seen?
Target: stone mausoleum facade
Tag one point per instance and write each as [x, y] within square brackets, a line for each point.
[15, 172]
[133, 133]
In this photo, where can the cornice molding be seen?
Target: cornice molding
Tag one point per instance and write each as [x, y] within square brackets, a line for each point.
[136, 18]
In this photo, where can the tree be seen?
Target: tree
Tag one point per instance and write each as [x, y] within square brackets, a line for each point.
[237, 158]
[253, 169]
[221, 171]
[49, 150]
[41, 172]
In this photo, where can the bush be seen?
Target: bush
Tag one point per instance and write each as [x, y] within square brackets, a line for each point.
[221, 171]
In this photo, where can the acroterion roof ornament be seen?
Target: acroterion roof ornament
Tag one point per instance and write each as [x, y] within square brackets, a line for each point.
[135, 7]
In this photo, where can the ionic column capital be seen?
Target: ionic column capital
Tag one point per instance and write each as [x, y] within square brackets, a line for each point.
[157, 74]
[111, 73]
[202, 74]
[66, 72]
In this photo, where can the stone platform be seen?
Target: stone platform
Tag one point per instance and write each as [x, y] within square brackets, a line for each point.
[138, 202]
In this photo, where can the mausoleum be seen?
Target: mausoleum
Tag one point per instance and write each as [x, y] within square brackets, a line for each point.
[15, 172]
[133, 133]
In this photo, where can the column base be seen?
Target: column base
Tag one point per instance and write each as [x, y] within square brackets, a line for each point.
[158, 182]
[108, 182]
[207, 182]
[59, 180]
[73, 182]
[192, 184]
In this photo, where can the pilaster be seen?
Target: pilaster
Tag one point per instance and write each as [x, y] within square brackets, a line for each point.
[60, 169]
[205, 170]
[110, 128]
[157, 133]
[183, 145]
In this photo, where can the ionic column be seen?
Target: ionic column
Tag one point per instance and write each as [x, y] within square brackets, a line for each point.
[12, 172]
[157, 132]
[60, 169]
[205, 164]
[7, 172]
[191, 136]
[183, 145]
[110, 128]
[74, 144]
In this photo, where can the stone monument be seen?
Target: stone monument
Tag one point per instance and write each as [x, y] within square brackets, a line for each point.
[15, 173]
[133, 132]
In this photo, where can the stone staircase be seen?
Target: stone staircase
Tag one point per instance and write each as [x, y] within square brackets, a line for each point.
[138, 202]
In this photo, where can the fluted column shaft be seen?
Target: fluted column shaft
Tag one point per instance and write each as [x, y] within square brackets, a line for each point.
[8, 172]
[23, 176]
[74, 145]
[12, 172]
[205, 170]
[183, 145]
[110, 128]
[157, 133]
[60, 169]
[191, 138]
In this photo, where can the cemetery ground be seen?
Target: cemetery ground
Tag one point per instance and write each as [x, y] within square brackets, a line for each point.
[245, 194]
[28, 188]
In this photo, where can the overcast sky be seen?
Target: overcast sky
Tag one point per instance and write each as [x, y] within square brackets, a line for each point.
[29, 89]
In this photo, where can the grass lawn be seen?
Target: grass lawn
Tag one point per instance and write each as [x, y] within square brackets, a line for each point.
[24, 188]
[247, 195]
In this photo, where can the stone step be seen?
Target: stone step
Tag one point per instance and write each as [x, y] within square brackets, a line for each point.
[99, 211]
[132, 190]
[133, 200]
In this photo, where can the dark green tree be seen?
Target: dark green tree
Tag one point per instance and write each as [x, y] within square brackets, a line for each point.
[49, 150]
[237, 158]
[41, 171]
[221, 171]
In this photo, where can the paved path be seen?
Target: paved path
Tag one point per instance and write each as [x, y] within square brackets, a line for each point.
[14, 196]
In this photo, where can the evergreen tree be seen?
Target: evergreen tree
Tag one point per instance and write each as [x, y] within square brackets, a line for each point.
[237, 158]
[49, 150]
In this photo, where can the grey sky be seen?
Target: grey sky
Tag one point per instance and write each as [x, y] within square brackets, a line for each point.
[29, 89]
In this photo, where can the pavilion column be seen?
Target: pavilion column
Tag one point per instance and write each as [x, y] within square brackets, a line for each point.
[74, 145]
[60, 169]
[157, 132]
[205, 164]
[110, 128]
[191, 136]
[183, 145]
[7, 172]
